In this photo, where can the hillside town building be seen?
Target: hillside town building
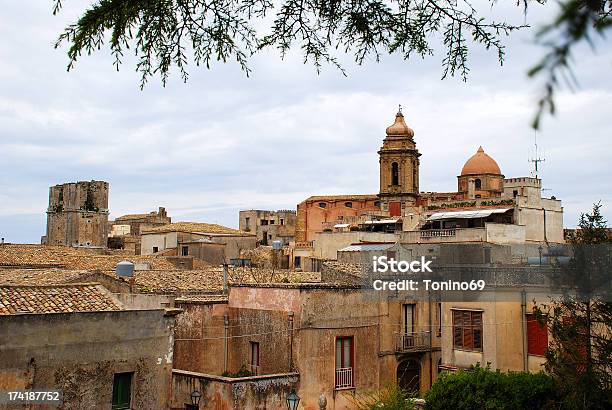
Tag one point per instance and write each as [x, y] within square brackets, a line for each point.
[125, 231]
[269, 226]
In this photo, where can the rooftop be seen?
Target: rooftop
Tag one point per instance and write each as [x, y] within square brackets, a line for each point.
[78, 297]
[196, 227]
[340, 197]
[166, 281]
[44, 256]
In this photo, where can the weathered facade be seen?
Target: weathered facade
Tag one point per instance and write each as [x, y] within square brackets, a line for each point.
[87, 347]
[269, 226]
[337, 339]
[78, 214]
[124, 231]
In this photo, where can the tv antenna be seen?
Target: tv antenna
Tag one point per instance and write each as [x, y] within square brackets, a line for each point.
[536, 160]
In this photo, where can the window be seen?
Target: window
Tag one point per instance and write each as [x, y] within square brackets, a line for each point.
[247, 222]
[185, 250]
[155, 249]
[322, 205]
[377, 204]
[477, 183]
[282, 221]
[408, 318]
[254, 363]
[271, 221]
[344, 362]
[297, 262]
[348, 204]
[395, 174]
[477, 196]
[515, 193]
[537, 336]
[264, 222]
[122, 391]
[467, 330]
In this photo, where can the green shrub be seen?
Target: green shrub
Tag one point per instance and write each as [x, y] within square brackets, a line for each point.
[391, 397]
[481, 388]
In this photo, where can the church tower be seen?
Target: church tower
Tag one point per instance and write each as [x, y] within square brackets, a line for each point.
[399, 168]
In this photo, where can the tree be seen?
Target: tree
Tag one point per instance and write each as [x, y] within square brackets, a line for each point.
[167, 33]
[580, 321]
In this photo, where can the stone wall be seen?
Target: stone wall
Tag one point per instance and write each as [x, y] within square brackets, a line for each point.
[223, 393]
[79, 353]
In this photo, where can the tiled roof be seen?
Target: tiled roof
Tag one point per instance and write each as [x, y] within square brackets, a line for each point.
[196, 227]
[56, 299]
[171, 281]
[132, 216]
[15, 255]
[340, 197]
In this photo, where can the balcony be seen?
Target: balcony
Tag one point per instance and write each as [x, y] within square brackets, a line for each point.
[344, 378]
[445, 235]
[412, 342]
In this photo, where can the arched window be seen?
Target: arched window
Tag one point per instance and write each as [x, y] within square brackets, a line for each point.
[477, 183]
[395, 173]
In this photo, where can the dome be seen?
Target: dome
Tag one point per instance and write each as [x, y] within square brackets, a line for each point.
[399, 127]
[480, 163]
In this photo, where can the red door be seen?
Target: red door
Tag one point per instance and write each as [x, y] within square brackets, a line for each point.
[395, 208]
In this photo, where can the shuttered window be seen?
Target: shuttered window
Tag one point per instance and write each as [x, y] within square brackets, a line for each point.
[537, 336]
[467, 330]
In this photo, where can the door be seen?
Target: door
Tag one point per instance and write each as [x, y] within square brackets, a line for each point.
[409, 375]
[395, 208]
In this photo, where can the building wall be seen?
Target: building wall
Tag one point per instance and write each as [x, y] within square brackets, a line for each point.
[198, 344]
[502, 338]
[224, 393]
[78, 214]
[311, 216]
[269, 225]
[327, 244]
[80, 352]
[163, 240]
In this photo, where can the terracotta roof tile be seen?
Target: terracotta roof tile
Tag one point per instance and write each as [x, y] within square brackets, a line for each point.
[44, 256]
[196, 227]
[85, 297]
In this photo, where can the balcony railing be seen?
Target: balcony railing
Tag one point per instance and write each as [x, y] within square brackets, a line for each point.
[344, 377]
[412, 342]
[438, 233]
[254, 369]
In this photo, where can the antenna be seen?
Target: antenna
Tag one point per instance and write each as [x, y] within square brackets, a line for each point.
[536, 159]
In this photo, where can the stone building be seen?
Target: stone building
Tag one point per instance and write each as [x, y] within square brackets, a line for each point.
[269, 226]
[78, 214]
[124, 232]
[329, 337]
[81, 340]
[211, 243]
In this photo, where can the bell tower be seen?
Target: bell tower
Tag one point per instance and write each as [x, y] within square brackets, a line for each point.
[399, 168]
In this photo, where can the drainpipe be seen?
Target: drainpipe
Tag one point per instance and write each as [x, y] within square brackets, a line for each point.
[545, 239]
[290, 341]
[524, 329]
[225, 338]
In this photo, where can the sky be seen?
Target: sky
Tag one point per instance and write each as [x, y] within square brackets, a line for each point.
[223, 142]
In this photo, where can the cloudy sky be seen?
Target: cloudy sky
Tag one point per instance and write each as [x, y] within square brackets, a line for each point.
[224, 142]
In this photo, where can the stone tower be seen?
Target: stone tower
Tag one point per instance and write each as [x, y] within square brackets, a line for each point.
[78, 214]
[399, 168]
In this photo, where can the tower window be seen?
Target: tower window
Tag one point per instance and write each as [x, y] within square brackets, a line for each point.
[322, 204]
[477, 183]
[395, 173]
[348, 204]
